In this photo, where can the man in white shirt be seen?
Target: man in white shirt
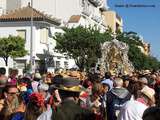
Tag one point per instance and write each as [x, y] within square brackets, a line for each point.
[133, 109]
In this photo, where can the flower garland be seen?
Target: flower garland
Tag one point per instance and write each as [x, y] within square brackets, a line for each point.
[37, 98]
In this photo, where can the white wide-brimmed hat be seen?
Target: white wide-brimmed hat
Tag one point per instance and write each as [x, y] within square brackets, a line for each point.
[43, 86]
[149, 92]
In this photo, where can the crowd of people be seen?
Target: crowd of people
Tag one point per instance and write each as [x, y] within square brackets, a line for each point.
[75, 95]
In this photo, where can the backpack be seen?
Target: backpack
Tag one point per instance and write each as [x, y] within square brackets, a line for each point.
[117, 105]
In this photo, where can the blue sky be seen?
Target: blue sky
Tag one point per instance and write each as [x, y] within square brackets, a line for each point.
[143, 20]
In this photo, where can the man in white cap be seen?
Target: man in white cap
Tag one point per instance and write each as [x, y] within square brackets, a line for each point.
[43, 89]
[107, 85]
[36, 81]
[143, 82]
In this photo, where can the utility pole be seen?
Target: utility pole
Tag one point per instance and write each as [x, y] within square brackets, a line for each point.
[32, 58]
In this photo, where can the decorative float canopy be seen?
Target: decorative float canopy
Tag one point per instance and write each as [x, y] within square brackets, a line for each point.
[115, 58]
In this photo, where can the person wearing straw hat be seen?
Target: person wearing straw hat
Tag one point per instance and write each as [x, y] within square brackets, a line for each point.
[69, 90]
[134, 109]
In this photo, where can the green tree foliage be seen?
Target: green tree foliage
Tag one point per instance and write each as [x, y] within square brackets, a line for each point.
[139, 60]
[82, 44]
[131, 38]
[12, 47]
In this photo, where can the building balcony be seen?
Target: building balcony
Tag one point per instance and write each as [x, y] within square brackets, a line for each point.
[96, 2]
[85, 11]
[96, 18]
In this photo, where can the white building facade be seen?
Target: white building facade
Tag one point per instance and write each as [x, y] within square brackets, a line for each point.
[91, 10]
[88, 12]
[43, 43]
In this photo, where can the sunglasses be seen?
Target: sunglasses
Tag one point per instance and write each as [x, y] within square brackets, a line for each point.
[1, 103]
[13, 93]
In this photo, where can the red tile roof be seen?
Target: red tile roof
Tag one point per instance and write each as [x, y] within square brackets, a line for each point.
[25, 14]
[74, 18]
